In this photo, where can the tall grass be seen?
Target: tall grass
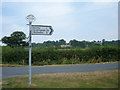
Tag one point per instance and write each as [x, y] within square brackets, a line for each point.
[49, 56]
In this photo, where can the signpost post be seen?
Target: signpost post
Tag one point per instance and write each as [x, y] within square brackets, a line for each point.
[36, 30]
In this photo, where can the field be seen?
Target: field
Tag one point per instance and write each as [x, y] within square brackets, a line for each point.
[96, 79]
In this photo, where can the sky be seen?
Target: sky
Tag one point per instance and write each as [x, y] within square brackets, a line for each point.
[70, 20]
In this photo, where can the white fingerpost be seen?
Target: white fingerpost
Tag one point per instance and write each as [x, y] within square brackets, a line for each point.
[36, 30]
[30, 18]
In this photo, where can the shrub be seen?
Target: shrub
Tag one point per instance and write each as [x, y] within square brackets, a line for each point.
[60, 56]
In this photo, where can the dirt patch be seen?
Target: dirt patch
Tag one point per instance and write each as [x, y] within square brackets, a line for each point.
[31, 86]
[3, 83]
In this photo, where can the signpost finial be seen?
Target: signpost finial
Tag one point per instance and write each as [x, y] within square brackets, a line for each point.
[30, 18]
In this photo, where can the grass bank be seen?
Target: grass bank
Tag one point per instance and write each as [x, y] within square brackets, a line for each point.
[17, 65]
[96, 79]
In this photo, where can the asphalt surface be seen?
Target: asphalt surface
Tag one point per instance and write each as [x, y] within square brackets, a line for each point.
[19, 71]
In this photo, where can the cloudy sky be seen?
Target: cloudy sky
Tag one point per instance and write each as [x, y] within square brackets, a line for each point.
[70, 20]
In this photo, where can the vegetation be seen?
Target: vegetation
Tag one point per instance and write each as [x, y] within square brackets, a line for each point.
[15, 39]
[74, 44]
[48, 56]
[96, 79]
[58, 52]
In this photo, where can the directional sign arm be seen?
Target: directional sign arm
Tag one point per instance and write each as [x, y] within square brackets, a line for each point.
[41, 30]
[51, 30]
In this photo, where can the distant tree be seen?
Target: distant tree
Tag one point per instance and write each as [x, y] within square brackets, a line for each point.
[83, 44]
[74, 43]
[62, 42]
[118, 43]
[49, 43]
[57, 44]
[103, 42]
[15, 39]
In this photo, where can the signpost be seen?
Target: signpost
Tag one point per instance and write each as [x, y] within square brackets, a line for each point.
[41, 30]
[36, 30]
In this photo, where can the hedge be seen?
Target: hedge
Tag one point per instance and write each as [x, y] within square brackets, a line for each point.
[60, 56]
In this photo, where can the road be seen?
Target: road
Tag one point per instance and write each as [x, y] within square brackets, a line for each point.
[19, 71]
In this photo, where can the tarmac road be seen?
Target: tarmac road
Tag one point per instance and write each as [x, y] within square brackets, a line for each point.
[19, 71]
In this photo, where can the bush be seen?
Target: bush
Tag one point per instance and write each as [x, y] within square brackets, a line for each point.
[13, 55]
[60, 56]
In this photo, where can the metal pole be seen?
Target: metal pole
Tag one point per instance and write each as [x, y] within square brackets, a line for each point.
[30, 53]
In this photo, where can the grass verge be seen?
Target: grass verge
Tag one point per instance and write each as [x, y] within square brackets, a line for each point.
[96, 79]
[16, 65]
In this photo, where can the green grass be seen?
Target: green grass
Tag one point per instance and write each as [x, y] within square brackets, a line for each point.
[96, 79]
[82, 63]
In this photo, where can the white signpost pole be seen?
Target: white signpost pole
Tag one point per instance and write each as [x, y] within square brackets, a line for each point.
[30, 19]
[30, 53]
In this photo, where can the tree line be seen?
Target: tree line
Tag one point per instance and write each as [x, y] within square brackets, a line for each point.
[18, 38]
[75, 43]
[51, 52]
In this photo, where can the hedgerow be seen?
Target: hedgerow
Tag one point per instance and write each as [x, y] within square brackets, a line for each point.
[49, 56]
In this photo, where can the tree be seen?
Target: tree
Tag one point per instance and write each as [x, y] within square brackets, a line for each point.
[6, 40]
[74, 43]
[103, 42]
[49, 43]
[15, 39]
[62, 42]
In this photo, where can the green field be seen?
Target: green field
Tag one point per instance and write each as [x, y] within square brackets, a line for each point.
[96, 79]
